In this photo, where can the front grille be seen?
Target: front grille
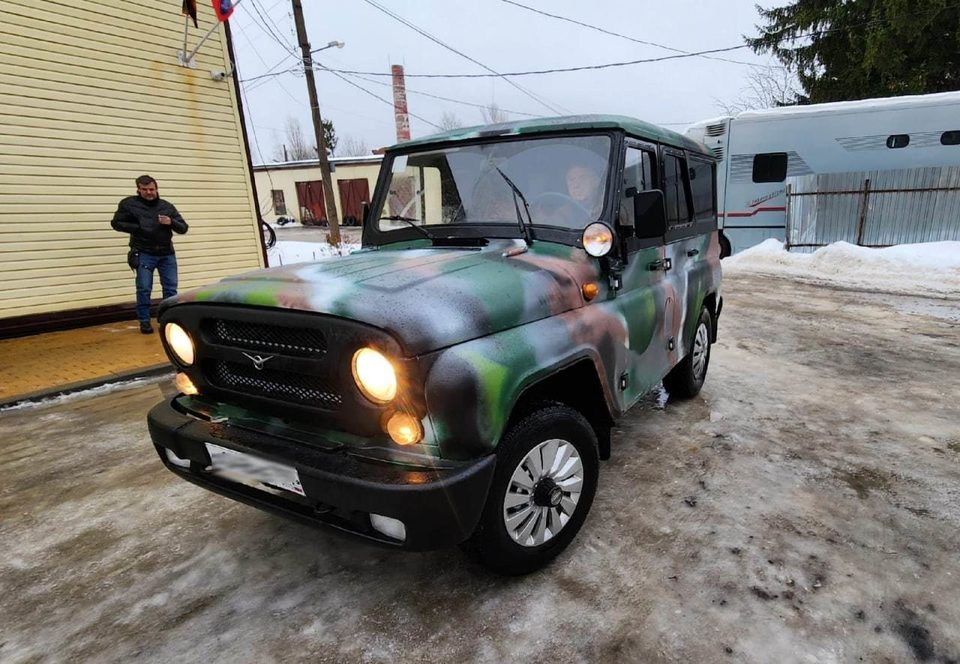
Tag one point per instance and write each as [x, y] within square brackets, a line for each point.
[281, 385]
[299, 342]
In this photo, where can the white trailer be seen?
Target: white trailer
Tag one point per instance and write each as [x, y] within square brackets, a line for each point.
[759, 150]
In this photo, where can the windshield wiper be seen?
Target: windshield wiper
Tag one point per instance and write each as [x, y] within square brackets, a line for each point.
[524, 227]
[410, 221]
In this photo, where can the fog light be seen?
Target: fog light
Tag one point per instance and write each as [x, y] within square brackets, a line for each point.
[389, 526]
[185, 385]
[404, 429]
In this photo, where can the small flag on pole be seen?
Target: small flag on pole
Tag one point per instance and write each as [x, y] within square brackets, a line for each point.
[190, 9]
[223, 9]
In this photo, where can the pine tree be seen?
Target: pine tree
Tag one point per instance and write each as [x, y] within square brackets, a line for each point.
[865, 48]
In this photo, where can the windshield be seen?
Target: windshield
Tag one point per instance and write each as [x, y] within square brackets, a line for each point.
[562, 179]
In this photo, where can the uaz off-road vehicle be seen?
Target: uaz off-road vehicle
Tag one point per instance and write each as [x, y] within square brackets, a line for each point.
[520, 286]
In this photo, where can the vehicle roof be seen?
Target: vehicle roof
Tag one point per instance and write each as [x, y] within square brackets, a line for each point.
[856, 106]
[632, 126]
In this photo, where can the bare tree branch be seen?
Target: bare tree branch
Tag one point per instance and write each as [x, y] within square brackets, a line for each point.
[449, 121]
[354, 146]
[493, 114]
[765, 88]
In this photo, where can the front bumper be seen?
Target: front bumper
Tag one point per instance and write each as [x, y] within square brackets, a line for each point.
[438, 507]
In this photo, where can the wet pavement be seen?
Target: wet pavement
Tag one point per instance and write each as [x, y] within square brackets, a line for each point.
[805, 507]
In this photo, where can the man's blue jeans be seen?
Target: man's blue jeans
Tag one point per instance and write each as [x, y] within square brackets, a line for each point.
[166, 266]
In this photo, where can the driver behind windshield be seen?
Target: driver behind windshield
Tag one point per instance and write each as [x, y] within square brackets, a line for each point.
[578, 203]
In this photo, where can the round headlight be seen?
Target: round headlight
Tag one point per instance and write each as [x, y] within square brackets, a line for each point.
[375, 375]
[180, 343]
[598, 239]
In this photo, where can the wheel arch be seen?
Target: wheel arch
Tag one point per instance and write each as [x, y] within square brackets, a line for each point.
[577, 384]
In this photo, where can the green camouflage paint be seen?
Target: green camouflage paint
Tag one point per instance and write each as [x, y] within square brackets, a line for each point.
[478, 326]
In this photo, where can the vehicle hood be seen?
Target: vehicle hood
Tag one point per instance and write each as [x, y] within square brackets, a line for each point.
[427, 298]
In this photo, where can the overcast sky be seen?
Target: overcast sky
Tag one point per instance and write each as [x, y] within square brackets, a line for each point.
[503, 37]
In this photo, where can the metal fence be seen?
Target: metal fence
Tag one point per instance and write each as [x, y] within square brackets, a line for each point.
[875, 208]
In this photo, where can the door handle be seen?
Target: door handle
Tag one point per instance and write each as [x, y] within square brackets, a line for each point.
[660, 264]
[693, 252]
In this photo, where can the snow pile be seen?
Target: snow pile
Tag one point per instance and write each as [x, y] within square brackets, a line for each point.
[931, 268]
[285, 252]
[107, 388]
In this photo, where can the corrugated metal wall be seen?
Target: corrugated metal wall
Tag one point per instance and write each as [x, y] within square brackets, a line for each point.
[896, 207]
[90, 97]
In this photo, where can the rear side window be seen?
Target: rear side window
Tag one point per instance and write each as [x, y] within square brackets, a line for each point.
[701, 189]
[898, 141]
[770, 167]
[950, 138]
[675, 190]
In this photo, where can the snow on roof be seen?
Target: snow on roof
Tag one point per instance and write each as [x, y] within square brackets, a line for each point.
[858, 106]
[312, 163]
[929, 268]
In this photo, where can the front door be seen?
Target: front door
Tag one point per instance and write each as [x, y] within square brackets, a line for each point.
[643, 299]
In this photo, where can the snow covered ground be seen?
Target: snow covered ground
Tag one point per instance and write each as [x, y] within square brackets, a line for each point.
[931, 268]
[285, 252]
[803, 508]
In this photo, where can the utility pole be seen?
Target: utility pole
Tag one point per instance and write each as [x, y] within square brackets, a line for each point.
[317, 124]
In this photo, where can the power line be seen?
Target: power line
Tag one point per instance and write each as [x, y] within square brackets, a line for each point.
[442, 98]
[372, 94]
[627, 63]
[438, 41]
[260, 57]
[621, 36]
[556, 70]
[265, 27]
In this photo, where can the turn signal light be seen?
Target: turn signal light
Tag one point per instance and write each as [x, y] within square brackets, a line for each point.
[590, 290]
[404, 429]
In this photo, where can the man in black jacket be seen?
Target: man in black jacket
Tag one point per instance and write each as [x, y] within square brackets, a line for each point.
[151, 222]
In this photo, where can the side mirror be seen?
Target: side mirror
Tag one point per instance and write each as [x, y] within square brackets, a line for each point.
[649, 214]
[364, 211]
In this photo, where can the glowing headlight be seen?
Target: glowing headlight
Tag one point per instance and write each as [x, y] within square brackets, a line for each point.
[374, 375]
[180, 343]
[598, 239]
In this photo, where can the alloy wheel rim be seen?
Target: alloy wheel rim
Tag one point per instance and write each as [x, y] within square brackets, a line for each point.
[543, 492]
[701, 345]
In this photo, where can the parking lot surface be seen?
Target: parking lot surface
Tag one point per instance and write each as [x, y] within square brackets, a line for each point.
[804, 508]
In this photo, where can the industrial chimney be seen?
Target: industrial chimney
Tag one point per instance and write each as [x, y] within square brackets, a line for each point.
[400, 104]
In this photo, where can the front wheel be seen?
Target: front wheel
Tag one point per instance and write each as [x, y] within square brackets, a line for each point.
[542, 490]
[686, 379]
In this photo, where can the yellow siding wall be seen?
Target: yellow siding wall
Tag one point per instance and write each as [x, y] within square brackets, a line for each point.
[286, 179]
[91, 96]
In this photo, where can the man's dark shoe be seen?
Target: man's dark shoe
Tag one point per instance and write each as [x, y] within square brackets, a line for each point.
[146, 327]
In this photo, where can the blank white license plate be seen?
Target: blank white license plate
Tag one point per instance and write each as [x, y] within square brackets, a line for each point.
[252, 470]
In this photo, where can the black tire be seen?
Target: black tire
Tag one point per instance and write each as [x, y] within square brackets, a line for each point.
[491, 543]
[686, 379]
[269, 235]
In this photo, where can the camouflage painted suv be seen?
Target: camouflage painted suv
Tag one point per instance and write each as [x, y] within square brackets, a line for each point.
[455, 381]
